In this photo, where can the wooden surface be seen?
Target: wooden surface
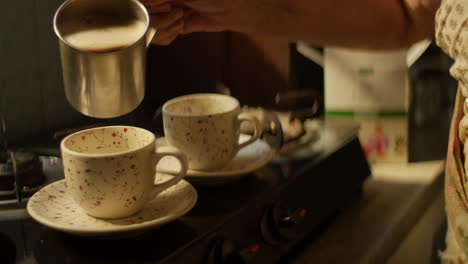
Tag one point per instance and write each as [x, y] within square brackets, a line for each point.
[426, 238]
[371, 227]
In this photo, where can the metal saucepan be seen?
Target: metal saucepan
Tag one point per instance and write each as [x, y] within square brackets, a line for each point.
[103, 82]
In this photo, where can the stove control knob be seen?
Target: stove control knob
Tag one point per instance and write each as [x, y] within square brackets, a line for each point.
[226, 251]
[286, 222]
[281, 224]
[291, 218]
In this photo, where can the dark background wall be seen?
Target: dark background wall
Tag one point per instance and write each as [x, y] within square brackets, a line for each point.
[31, 93]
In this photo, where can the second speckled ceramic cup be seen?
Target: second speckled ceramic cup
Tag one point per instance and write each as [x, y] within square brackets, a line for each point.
[206, 128]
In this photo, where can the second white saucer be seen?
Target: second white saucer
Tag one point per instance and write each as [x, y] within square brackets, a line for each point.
[247, 160]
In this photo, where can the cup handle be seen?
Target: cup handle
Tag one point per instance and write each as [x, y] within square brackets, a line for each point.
[257, 128]
[150, 35]
[169, 151]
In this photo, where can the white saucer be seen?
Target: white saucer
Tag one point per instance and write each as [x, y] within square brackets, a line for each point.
[52, 207]
[247, 160]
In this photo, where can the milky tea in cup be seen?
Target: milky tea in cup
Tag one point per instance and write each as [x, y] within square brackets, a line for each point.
[110, 171]
[206, 128]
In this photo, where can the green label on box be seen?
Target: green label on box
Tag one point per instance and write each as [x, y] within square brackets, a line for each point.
[332, 113]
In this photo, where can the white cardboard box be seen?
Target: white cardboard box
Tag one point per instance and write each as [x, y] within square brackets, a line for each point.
[371, 87]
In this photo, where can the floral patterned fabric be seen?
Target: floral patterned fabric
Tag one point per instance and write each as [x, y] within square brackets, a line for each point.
[452, 37]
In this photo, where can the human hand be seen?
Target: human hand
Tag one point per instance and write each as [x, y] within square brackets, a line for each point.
[256, 17]
[206, 15]
[175, 17]
[167, 18]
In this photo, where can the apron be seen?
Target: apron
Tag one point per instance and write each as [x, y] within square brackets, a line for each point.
[456, 204]
[451, 31]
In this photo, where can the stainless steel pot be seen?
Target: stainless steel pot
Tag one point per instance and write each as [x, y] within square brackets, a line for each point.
[103, 84]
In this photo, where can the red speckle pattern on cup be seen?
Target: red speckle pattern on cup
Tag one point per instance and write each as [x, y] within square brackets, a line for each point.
[106, 140]
[112, 174]
[206, 141]
[206, 128]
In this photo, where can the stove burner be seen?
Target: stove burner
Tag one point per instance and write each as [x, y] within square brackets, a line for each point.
[28, 169]
[51, 171]
[21, 172]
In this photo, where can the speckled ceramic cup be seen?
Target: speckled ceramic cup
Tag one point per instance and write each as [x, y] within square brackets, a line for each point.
[110, 171]
[206, 128]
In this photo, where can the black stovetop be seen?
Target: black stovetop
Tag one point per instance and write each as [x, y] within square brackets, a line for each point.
[25, 241]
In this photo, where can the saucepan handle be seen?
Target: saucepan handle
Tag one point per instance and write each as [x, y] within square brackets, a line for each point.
[150, 35]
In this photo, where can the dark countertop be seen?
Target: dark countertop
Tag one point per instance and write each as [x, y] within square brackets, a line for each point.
[372, 227]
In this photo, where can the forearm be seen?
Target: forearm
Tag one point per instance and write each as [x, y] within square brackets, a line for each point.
[377, 24]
